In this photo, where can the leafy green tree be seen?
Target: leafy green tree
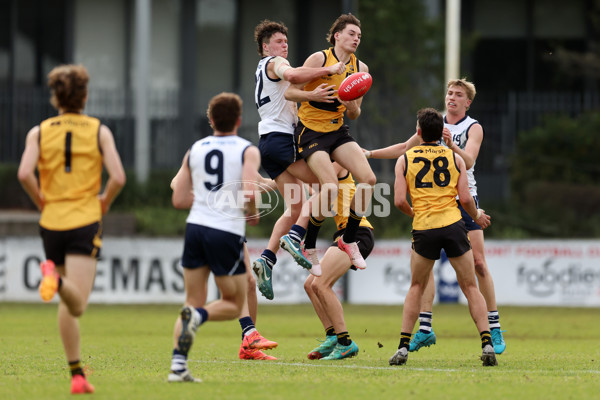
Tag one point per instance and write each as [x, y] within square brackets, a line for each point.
[555, 178]
[563, 149]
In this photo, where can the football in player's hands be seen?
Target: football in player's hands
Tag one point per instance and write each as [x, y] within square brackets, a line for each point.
[355, 86]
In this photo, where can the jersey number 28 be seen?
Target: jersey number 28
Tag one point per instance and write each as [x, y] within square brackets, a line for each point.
[441, 174]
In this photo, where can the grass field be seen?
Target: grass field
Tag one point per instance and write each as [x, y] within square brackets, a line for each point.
[552, 353]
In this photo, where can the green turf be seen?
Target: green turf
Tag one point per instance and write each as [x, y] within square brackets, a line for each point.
[552, 353]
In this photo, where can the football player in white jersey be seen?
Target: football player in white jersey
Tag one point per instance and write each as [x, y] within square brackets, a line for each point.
[464, 136]
[212, 177]
[252, 341]
[278, 151]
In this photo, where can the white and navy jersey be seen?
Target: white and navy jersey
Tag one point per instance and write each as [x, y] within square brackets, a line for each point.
[460, 135]
[276, 113]
[215, 164]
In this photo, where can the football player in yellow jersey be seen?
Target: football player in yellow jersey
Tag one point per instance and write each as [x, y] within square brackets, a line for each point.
[334, 264]
[464, 136]
[69, 151]
[322, 136]
[434, 175]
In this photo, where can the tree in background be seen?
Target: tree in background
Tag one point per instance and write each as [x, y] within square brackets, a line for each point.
[555, 178]
[404, 48]
[583, 64]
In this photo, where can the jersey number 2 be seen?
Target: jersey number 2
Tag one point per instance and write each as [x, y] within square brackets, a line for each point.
[264, 100]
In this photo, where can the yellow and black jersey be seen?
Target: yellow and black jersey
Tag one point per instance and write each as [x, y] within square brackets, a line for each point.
[345, 194]
[326, 117]
[70, 170]
[432, 176]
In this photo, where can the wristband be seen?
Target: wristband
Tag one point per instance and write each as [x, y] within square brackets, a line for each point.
[369, 154]
[280, 65]
[478, 214]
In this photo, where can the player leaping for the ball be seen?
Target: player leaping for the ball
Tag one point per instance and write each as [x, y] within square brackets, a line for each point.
[279, 154]
[322, 136]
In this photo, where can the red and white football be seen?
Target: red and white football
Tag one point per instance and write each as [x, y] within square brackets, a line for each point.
[355, 86]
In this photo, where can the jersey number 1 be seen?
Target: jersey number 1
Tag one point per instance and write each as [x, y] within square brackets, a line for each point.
[68, 156]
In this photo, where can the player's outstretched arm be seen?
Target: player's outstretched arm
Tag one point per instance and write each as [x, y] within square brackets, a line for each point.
[296, 91]
[280, 67]
[323, 93]
[393, 151]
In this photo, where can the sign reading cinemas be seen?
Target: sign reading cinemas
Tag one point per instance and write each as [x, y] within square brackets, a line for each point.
[130, 271]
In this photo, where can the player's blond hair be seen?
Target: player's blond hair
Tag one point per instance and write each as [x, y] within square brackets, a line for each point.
[465, 84]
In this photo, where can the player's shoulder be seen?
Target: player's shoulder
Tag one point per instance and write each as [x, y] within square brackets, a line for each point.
[468, 121]
[251, 149]
[317, 57]
[266, 59]
[362, 67]
[473, 122]
[279, 59]
[474, 127]
[34, 134]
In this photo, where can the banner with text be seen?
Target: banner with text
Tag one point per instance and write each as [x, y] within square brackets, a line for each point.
[144, 270]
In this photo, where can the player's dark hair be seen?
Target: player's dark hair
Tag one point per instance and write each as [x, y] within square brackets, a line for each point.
[340, 24]
[68, 87]
[431, 124]
[264, 31]
[223, 111]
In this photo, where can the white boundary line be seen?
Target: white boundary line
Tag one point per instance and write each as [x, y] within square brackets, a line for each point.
[326, 364]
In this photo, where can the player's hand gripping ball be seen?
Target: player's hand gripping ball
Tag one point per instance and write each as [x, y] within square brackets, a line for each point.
[355, 86]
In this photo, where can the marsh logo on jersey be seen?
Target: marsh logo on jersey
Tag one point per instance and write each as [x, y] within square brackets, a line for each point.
[234, 198]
